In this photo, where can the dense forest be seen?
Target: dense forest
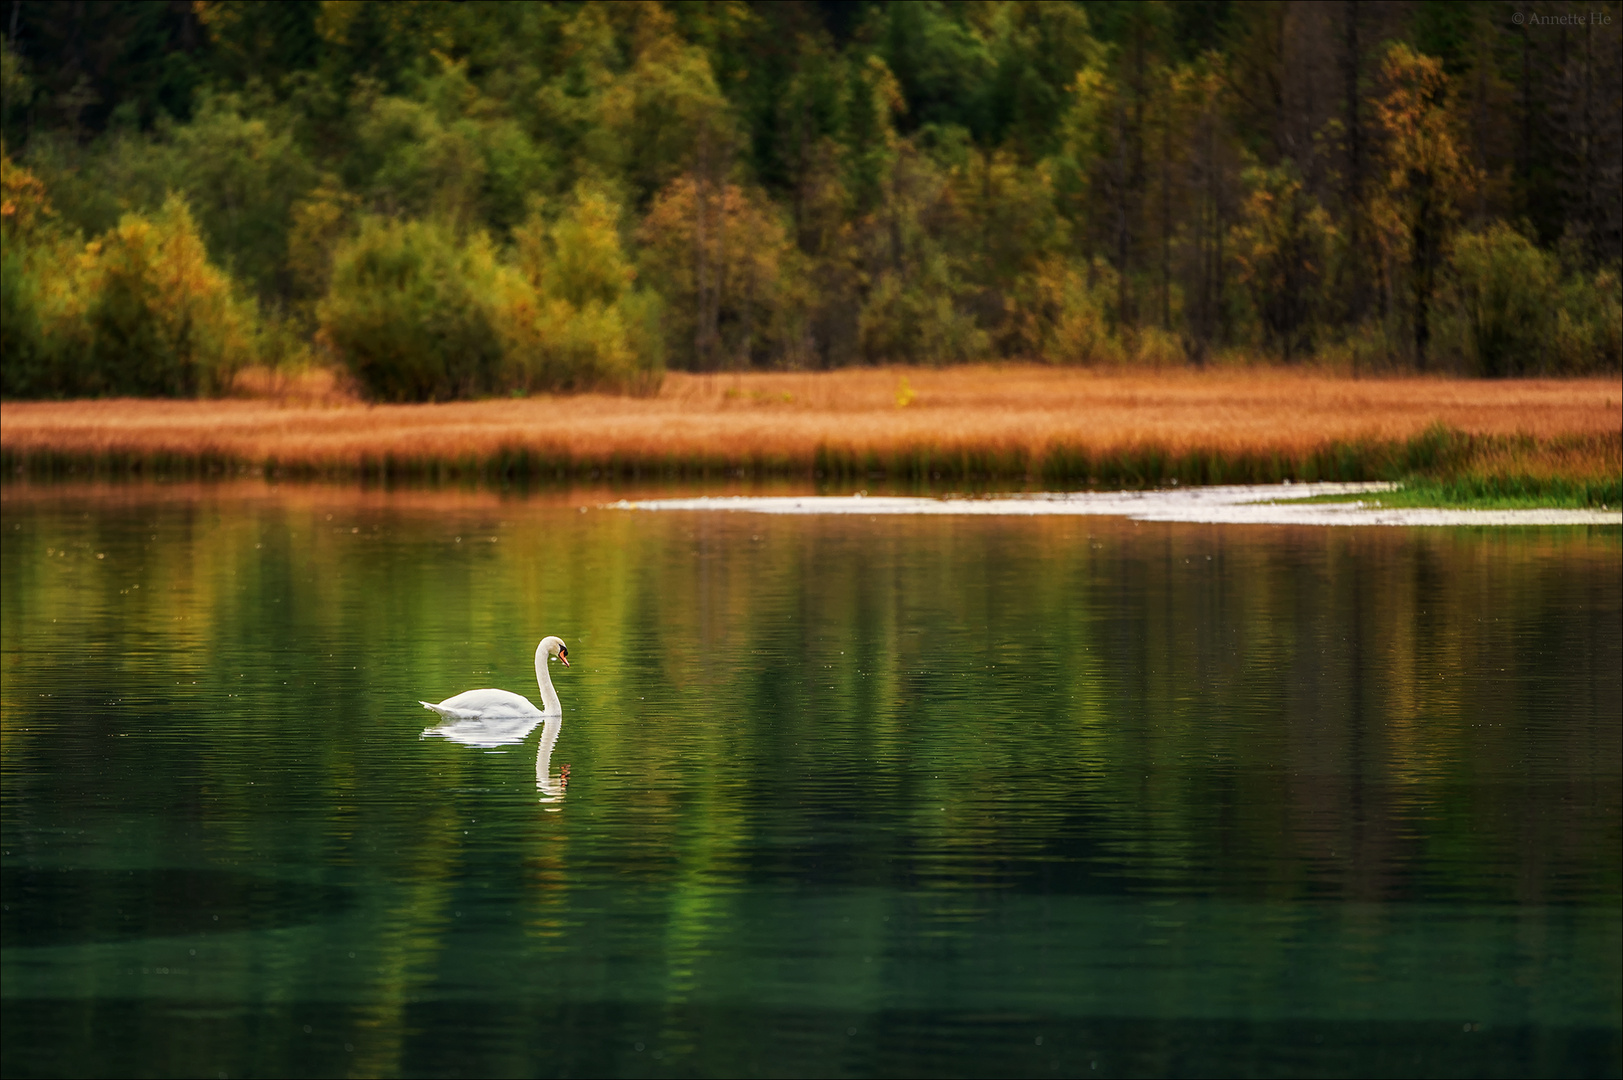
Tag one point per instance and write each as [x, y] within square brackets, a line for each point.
[451, 200]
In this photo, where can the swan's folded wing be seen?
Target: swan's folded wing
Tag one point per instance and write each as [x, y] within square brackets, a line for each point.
[484, 703]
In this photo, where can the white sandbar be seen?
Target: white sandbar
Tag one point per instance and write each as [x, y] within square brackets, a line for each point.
[1229, 505]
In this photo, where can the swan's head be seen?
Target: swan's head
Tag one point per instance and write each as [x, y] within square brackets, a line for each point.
[553, 646]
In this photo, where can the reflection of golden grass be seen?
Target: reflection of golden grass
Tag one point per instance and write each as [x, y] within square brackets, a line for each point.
[1002, 420]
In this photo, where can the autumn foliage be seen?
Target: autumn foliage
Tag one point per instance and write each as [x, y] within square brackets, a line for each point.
[454, 201]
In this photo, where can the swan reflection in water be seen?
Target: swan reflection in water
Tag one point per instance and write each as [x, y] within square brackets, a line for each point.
[488, 734]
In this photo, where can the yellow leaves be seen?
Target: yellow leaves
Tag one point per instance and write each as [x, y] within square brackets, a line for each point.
[1092, 96]
[1424, 146]
[333, 22]
[1282, 244]
[1063, 312]
[905, 394]
[722, 258]
[1281, 220]
[424, 20]
[579, 257]
[1412, 112]
[191, 299]
[888, 97]
[567, 313]
[735, 233]
[552, 344]
[141, 310]
[24, 204]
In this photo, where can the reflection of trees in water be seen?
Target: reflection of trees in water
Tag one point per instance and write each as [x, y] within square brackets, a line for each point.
[1280, 711]
[1051, 706]
[1292, 712]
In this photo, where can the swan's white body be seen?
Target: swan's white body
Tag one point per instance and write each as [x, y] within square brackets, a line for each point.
[489, 706]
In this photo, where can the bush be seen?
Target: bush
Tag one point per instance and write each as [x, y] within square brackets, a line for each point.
[553, 345]
[409, 312]
[139, 311]
[1502, 291]
[25, 368]
[918, 321]
[1589, 325]
[1064, 313]
[418, 315]
[1509, 310]
[162, 318]
[27, 363]
[570, 318]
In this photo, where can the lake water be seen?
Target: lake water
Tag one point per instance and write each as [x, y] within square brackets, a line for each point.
[831, 796]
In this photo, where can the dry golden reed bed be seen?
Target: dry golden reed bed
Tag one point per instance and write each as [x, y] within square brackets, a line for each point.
[997, 422]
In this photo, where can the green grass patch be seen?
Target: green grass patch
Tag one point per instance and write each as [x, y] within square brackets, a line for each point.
[1488, 493]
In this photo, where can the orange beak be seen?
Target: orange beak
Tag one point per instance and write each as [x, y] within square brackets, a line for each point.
[563, 657]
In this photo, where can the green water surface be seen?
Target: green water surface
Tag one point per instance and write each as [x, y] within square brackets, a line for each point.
[830, 796]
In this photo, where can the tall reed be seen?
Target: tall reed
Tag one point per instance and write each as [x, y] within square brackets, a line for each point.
[1011, 426]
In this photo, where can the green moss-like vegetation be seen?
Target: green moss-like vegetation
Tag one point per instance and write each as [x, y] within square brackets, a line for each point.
[1472, 494]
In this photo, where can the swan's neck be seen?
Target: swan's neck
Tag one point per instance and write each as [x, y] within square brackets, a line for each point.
[549, 697]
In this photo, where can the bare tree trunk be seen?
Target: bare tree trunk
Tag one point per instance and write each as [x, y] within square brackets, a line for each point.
[1203, 187]
[1423, 239]
[1124, 313]
[1135, 183]
[1353, 193]
[1166, 218]
[702, 331]
[1589, 178]
[1524, 152]
[719, 285]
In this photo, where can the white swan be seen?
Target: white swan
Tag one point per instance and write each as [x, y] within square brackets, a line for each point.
[489, 705]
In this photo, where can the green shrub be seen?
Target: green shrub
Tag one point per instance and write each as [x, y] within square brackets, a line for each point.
[138, 311]
[1503, 292]
[25, 368]
[919, 321]
[409, 312]
[1282, 245]
[553, 345]
[162, 319]
[418, 315]
[1064, 312]
[569, 316]
[27, 232]
[1589, 325]
[1509, 310]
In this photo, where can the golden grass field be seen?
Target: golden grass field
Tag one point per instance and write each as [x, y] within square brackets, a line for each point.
[994, 421]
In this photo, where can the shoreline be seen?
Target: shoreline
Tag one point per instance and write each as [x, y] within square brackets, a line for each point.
[1025, 425]
[1216, 505]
